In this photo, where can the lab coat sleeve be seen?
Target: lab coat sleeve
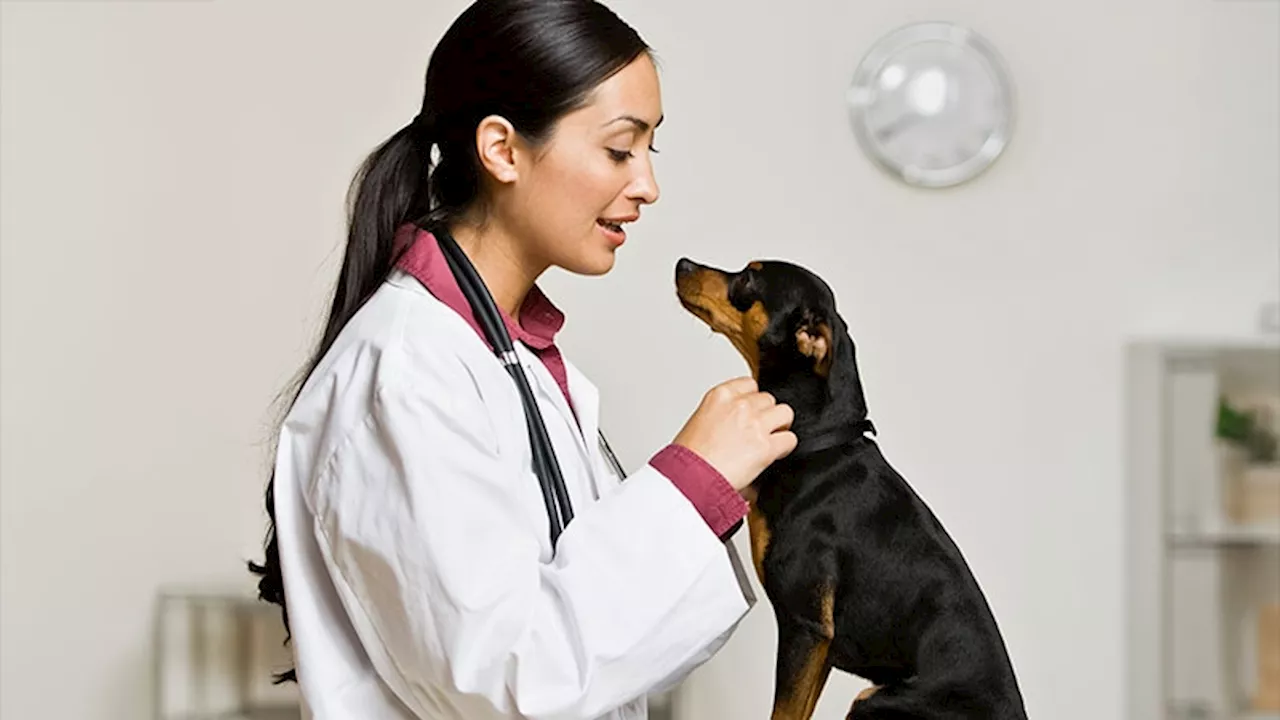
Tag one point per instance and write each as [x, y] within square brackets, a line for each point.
[431, 543]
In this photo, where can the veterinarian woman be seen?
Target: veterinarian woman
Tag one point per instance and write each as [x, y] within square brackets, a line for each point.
[410, 539]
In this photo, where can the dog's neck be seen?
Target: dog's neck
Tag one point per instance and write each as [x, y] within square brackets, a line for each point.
[830, 410]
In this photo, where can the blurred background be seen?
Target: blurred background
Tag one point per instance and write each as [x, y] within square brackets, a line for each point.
[1070, 357]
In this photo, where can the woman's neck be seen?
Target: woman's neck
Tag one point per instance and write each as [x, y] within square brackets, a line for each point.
[496, 254]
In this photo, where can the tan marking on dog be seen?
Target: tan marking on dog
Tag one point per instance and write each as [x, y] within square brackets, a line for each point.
[829, 612]
[758, 527]
[862, 696]
[799, 703]
[816, 345]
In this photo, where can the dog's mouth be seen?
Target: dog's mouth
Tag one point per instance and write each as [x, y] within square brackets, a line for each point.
[703, 308]
[697, 310]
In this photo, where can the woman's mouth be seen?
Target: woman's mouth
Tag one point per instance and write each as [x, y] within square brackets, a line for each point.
[612, 229]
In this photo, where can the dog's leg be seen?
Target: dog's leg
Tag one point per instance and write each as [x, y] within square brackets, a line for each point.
[803, 664]
[802, 671]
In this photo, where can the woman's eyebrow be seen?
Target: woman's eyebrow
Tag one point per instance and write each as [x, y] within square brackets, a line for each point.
[642, 125]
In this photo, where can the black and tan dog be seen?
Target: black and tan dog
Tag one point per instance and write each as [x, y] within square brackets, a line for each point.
[861, 575]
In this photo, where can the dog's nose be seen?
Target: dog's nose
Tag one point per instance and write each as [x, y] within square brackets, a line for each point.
[685, 266]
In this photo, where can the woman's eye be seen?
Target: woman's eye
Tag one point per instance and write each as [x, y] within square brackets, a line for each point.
[624, 155]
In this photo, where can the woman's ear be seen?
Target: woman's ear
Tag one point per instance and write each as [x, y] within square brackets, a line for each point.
[496, 147]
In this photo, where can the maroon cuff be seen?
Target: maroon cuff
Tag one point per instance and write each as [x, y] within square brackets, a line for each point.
[715, 499]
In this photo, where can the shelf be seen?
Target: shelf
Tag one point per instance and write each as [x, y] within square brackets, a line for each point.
[1204, 714]
[1228, 535]
[1201, 588]
[294, 713]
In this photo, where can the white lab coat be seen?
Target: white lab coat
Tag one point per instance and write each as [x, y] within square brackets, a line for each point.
[415, 549]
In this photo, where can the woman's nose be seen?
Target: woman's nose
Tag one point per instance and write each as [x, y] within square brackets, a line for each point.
[645, 187]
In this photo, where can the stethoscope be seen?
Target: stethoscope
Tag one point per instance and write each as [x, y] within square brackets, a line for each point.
[554, 494]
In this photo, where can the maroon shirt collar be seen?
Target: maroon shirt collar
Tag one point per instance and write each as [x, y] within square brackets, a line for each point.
[540, 320]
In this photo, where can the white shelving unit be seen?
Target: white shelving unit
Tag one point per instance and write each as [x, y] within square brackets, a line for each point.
[215, 651]
[1203, 586]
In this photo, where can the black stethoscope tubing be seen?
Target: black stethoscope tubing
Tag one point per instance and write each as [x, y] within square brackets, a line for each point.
[545, 464]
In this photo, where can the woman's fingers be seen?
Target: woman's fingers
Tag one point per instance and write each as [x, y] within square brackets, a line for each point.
[780, 417]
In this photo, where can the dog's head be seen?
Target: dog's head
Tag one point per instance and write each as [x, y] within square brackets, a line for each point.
[781, 317]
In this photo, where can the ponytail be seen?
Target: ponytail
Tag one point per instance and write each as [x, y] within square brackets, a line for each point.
[390, 188]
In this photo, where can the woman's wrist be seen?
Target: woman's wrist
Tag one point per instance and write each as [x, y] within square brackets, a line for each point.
[719, 504]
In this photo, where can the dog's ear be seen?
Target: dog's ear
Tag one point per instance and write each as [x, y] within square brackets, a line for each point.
[814, 339]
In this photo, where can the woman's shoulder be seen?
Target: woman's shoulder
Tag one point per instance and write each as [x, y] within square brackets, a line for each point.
[402, 340]
[400, 353]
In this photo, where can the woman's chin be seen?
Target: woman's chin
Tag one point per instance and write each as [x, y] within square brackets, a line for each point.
[598, 262]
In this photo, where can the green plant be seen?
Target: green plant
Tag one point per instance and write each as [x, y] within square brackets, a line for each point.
[1247, 431]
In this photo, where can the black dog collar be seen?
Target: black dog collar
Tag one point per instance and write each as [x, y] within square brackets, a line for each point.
[840, 436]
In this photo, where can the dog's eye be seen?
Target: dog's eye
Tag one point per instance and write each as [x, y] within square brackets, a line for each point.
[743, 291]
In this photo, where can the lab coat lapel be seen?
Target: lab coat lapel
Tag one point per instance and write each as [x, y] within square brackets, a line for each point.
[549, 388]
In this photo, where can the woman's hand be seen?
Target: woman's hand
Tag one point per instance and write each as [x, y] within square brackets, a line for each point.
[739, 430]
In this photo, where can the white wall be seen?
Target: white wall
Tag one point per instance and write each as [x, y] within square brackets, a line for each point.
[170, 209]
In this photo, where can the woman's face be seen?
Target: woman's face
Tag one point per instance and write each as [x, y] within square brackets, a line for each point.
[567, 202]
